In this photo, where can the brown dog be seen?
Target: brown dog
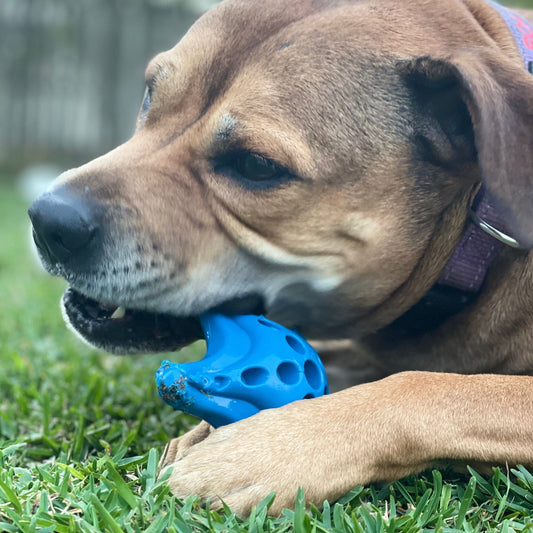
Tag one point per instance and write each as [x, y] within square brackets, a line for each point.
[316, 160]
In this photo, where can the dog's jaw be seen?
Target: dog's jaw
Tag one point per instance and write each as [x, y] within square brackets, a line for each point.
[126, 332]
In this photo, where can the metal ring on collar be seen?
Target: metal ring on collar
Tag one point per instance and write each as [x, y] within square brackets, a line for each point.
[493, 232]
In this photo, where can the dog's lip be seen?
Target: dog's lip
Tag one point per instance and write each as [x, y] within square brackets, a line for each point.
[120, 330]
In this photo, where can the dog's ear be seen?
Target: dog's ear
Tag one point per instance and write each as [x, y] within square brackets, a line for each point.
[478, 104]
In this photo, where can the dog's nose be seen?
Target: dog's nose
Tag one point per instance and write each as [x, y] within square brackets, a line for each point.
[63, 225]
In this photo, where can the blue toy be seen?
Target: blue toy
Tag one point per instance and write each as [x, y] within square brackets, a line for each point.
[251, 364]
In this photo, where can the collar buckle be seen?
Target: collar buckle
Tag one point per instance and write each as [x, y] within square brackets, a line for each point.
[493, 232]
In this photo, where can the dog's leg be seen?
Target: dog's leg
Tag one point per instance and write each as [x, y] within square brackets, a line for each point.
[377, 431]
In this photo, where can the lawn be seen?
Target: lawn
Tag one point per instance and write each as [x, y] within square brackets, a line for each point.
[81, 433]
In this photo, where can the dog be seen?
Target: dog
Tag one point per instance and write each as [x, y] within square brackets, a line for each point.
[322, 162]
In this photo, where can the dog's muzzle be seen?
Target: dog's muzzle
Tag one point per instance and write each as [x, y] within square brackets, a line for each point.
[71, 233]
[67, 231]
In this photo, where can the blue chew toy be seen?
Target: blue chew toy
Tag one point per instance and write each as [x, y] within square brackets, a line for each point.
[251, 364]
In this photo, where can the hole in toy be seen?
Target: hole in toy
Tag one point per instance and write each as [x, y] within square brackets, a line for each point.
[288, 373]
[309, 396]
[254, 376]
[312, 374]
[326, 390]
[267, 323]
[221, 381]
[295, 344]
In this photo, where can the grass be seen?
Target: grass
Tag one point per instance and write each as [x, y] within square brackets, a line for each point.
[526, 4]
[81, 433]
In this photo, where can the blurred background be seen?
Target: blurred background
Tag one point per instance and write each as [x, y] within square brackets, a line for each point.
[72, 74]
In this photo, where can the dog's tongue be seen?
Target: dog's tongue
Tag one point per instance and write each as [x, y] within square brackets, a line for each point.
[251, 364]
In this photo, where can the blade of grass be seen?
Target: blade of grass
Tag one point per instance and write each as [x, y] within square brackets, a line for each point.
[466, 501]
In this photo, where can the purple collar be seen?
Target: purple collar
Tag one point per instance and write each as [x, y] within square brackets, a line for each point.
[486, 233]
[482, 241]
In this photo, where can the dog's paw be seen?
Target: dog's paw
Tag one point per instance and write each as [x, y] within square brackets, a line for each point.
[277, 450]
[325, 445]
[176, 448]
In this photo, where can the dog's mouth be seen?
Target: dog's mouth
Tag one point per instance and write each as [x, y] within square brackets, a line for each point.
[123, 331]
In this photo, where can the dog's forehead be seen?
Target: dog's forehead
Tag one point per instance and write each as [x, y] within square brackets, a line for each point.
[274, 45]
[277, 35]
[237, 32]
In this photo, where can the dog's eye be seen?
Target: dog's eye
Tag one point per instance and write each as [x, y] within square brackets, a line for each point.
[255, 167]
[252, 169]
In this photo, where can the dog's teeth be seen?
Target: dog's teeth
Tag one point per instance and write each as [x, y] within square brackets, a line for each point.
[118, 313]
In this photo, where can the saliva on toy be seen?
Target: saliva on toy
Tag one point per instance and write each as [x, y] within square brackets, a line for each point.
[251, 364]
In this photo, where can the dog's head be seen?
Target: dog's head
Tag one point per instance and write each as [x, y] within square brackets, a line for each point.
[313, 160]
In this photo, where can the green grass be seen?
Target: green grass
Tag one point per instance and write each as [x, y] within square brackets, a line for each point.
[526, 4]
[81, 433]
